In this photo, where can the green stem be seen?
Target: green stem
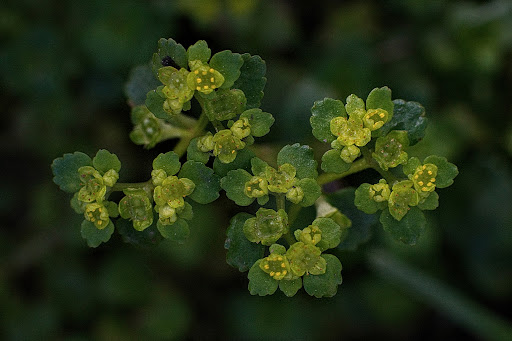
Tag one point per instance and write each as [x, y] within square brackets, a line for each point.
[357, 166]
[218, 125]
[121, 186]
[448, 301]
[171, 132]
[280, 202]
[181, 147]
[293, 213]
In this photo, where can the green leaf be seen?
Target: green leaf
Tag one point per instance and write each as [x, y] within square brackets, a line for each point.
[380, 98]
[331, 233]
[199, 51]
[95, 236]
[446, 171]
[168, 48]
[252, 79]
[65, 170]
[242, 161]
[177, 232]
[187, 213]
[234, 184]
[242, 254]
[322, 113]
[290, 287]
[140, 81]
[258, 166]
[312, 191]
[260, 282]
[207, 183]
[260, 121]
[325, 285]
[332, 162]
[194, 154]
[300, 157]
[362, 223]
[105, 161]
[364, 202]
[429, 203]
[224, 104]
[408, 116]
[155, 104]
[407, 230]
[410, 167]
[149, 237]
[228, 64]
[169, 162]
[354, 103]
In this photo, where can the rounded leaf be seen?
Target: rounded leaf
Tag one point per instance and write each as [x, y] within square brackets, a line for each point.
[380, 98]
[95, 236]
[252, 79]
[325, 285]
[199, 51]
[311, 189]
[224, 104]
[300, 157]
[323, 112]
[228, 64]
[168, 162]
[65, 171]
[259, 121]
[207, 183]
[234, 184]
[194, 154]
[408, 229]
[260, 282]
[446, 171]
[242, 161]
[330, 232]
[177, 232]
[241, 254]
[290, 287]
[364, 201]
[333, 163]
[169, 50]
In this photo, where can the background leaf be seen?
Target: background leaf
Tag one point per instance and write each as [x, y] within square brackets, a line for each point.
[241, 254]
[252, 79]
[409, 229]
[177, 232]
[300, 157]
[228, 64]
[95, 236]
[65, 170]
[325, 285]
[323, 112]
[169, 162]
[408, 116]
[234, 184]
[207, 183]
[260, 282]
[140, 81]
[332, 162]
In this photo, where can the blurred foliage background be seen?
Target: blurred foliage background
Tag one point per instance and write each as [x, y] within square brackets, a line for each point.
[63, 65]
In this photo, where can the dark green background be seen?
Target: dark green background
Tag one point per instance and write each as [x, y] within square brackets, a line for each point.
[63, 65]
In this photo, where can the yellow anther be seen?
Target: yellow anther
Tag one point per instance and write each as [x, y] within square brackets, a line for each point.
[99, 222]
[206, 87]
[220, 146]
[285, 272]
[279, 258]
[424, 167]
[424, 189]
[416, 176]
[272, 273]
[212, 79]
[381, 115]
[99, 209]
[429, 172]
[420, 183]
[278, 273]
[198, 88]
[232, 152]
[196, 72]
[266, 266]
[433, 180]
[199, 80]
[213, 86]
[249, 188]
[211, 70]
[204, 73]
[283, 265]
[93, 220]
[420, 172]
[429, 184]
